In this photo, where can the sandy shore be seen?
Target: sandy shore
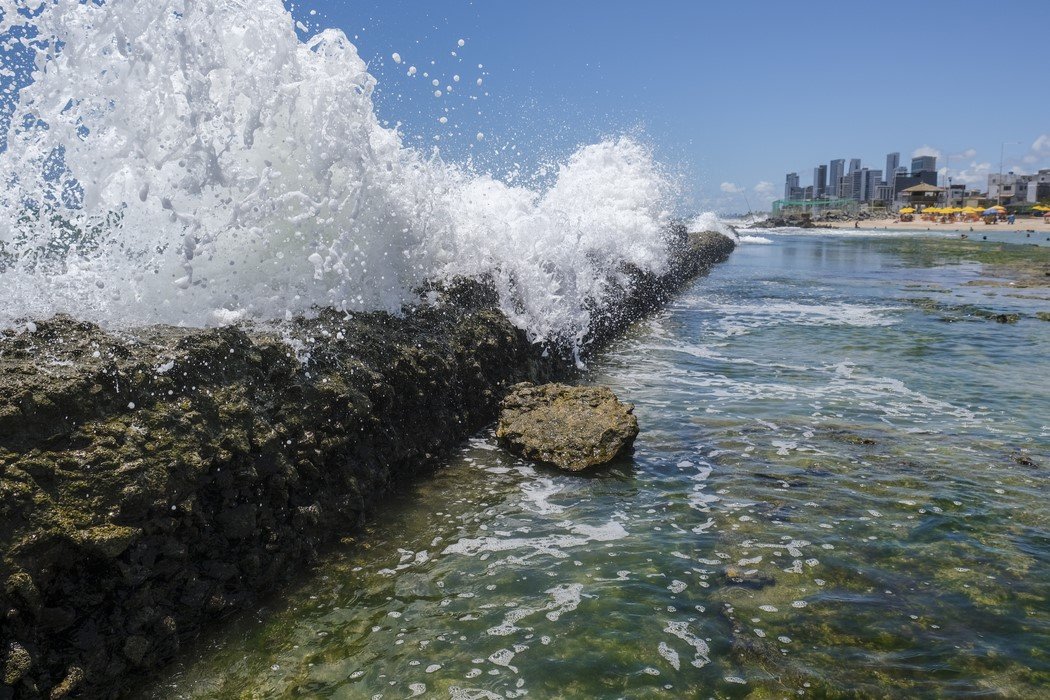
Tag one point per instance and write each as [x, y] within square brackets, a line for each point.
[1020, 226]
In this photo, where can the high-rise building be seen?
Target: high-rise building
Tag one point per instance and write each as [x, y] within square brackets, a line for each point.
[863, 184]
[871, 184]
[854, 165]
[790, 185]
[820, 181]
[893, 161]
[835, 176]
[846, 187]
[923, 164]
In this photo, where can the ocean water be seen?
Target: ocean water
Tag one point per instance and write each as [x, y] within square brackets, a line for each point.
[836, 493]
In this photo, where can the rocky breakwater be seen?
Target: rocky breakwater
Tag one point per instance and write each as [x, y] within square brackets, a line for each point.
[157, 479]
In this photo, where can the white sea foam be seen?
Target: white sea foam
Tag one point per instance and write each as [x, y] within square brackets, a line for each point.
[758, 240]
[537, 492]
[702, 655]
[709, 221]
[550, 545]
[670, 655]
[564, 598]
[219, 168]
[743, 317]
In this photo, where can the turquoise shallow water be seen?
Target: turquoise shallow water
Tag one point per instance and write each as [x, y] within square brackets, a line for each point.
[836, 492]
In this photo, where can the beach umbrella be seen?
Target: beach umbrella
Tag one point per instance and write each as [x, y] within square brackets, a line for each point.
[992, 211]
[908, 210]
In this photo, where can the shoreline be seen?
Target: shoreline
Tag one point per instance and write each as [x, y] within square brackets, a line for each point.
[1020, 227]
[157, 480]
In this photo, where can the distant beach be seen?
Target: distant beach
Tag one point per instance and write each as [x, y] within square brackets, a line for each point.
[1020, 226]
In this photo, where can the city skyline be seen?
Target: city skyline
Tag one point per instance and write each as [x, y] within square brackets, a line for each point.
[896, 185]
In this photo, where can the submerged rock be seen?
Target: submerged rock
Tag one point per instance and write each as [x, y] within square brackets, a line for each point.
[570, 427]
[748, 578]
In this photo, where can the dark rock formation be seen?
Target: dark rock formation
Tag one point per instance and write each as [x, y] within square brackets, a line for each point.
[570, 427]
[152, 481]
[637, 293]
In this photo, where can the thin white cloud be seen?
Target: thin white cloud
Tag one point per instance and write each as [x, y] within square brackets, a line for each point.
[926, 151]
[765, 189]
[1042, 145]
[975, 175]
[730, 188]
[967, 154]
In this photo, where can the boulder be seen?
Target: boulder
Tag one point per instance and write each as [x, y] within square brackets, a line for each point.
[571, 427]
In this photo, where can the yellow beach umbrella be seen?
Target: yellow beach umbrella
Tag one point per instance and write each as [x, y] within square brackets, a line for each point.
[908, 210]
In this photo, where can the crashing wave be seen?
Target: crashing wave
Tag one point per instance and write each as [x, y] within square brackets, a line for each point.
[197, 163]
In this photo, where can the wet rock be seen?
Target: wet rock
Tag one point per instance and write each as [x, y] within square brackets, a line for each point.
[135, 648]
[851, 437]
[74, 678]
[570, 427]
[637, 293]
[109, 540]
[17, 663]
[20, 586]
[953, 313]
[1024, 458]
[749, 578]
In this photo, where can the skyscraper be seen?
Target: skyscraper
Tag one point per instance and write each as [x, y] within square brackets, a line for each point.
[854, 165]
[820, 181]
[790, 185]
[893, 161]
[835, 176]
[923, 164]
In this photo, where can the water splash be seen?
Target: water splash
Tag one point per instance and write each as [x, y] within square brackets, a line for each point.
[196, 163]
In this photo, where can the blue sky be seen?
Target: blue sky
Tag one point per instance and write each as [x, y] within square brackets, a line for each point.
[730, 94]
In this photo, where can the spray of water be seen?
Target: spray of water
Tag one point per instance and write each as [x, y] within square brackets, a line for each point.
[194, 162]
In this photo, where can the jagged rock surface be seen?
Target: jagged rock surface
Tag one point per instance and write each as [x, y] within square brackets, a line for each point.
[571, 427]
